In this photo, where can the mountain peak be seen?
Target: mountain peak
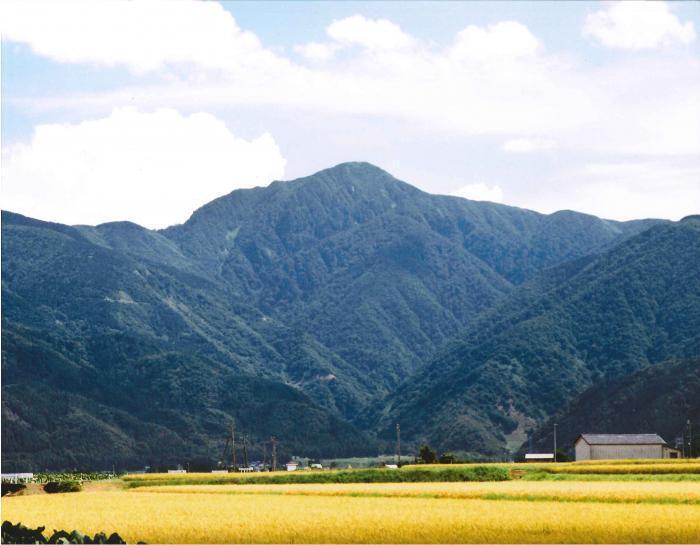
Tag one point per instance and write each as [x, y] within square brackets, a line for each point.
[348, 173]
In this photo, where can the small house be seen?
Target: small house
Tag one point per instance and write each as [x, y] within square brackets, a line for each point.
[292, 466]
[597, 446]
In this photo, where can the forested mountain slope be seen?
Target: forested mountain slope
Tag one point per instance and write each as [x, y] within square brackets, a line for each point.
[322, 294]
[580, 324]
[660, 399]
[98, 344]
[382, 273]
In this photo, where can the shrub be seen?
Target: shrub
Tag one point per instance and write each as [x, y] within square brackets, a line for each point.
[54, 487]
[19, 533]
[11, 488]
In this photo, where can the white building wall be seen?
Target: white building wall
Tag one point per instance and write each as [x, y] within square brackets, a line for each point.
[621, 452]
[583, 450]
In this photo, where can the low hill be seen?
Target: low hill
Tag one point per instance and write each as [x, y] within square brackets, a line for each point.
[581, 324]
[660, 399]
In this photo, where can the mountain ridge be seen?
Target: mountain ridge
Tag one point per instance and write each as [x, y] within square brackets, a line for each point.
[338, 286]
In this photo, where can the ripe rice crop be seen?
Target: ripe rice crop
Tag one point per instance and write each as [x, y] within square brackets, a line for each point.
[610, 492]
[269, 518]
[643, 461]
[605, 468]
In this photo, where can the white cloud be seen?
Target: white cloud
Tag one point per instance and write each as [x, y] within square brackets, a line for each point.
[624, 190]
[143, 36]
[315, 51]
[527, 145]
[504, 41]
[374, 34]
[638, 25]
[497, 80]
[480, 192]
[151, 168]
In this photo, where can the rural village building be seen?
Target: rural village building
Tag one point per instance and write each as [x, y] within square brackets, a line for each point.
[594, 446]
[543, 457]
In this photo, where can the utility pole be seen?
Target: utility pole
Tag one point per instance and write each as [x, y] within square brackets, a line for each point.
[555, 442]
[245, 450]
[233, 443]
[690, 439]
[398, 444]
[273, 440]
[529, 441]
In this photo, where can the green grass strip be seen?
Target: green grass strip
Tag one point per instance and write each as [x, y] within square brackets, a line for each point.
[460, 474]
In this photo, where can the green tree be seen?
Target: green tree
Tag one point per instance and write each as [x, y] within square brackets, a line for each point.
[447, 458]
[426, 455]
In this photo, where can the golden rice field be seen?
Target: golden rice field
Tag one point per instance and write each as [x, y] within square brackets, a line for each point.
[568, 491]
[496, 512]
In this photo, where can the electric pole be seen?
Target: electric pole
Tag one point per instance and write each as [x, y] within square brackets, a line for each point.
[398, 444]
[555, 442]
[274, 453]
[245, 450]
[690, 439]
[233, 443]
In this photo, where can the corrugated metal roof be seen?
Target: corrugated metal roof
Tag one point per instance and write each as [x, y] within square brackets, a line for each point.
[623, 439]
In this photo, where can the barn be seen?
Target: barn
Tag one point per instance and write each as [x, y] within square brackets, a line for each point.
[596, 446]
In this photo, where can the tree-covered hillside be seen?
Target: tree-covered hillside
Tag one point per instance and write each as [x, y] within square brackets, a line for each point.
[580, 324]
[131, 344]
[383, 274]
[660, 399]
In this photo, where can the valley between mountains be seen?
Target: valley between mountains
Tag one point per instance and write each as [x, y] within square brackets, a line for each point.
[323, 311]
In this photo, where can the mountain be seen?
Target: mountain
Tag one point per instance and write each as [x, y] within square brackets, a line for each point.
[659, 399]
[583, 323]
[292, 307]
[382, 273]
[130, 360]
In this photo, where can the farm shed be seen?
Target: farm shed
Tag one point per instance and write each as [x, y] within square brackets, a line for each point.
[594, 446]
[543, 457]
[17, 477]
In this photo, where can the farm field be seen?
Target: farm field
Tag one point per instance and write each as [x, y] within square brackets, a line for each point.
[160, 509]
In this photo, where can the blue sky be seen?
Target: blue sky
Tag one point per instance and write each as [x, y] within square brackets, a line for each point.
[145, 111]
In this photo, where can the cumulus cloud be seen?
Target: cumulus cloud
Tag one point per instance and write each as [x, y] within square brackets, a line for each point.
[624, 190]
[144, 36]
[315, 51]
[527, 145]
[374, 34]
[480, 192]
[504, 41]
[153, 168]
[638, 25]
[497, 80]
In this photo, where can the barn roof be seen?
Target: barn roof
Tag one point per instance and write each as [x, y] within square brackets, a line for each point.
[623, 439]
